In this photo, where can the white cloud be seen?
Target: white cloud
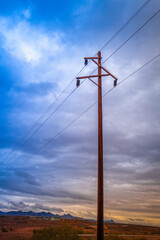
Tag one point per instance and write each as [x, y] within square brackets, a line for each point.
[28, 43]
[39, 54]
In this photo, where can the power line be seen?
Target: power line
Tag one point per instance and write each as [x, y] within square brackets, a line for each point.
[50, 140]
[51, 105]
[128, 39]
[131, 36]
[116, 34]
[102, 63]
[129, 20]
[158, 55]
[42, 124]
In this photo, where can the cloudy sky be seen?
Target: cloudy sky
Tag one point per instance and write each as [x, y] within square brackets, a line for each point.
[42, 48]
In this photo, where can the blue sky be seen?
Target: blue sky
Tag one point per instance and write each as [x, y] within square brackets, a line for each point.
[42, 48]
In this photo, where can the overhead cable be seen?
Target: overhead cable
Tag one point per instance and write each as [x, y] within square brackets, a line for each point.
[79, 116]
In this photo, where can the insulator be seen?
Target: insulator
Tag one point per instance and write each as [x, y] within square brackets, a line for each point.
[115, 82]
[78, 83]
[85, 61]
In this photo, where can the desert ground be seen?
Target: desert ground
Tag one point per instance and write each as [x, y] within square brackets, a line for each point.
[16, 227]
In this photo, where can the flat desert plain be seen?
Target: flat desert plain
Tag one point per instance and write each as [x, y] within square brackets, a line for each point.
[16, 227]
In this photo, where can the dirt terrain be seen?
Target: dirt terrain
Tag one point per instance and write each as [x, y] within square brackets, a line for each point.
[13, 227]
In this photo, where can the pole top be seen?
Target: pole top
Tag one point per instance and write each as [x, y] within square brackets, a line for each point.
[99, 55]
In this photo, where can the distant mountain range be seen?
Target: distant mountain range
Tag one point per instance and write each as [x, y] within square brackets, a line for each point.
[38, 214]
[43, 214]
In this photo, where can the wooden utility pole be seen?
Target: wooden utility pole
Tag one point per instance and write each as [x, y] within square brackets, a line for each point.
[100, 230]
[100, 208]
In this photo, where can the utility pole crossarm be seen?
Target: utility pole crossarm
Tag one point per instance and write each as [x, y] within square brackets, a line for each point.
[102, 75]
[91, 58]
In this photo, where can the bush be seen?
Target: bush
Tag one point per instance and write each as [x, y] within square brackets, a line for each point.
[61, 233]
[79, 231]
[3, 229]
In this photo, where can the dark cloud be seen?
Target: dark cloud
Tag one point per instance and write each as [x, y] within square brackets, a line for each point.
[21, 206]
[27, 177]
[131, 219]
[11, 183]
[18, 206]
[47, 208]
